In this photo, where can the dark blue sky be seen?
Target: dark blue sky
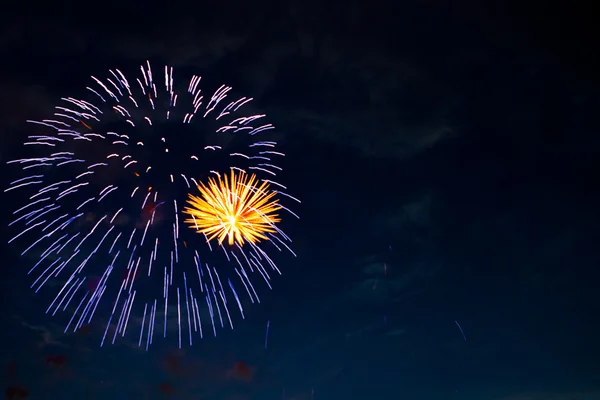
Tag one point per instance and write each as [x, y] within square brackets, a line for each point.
[447, 161]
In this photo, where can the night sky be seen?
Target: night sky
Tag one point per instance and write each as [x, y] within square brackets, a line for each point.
[447, 155]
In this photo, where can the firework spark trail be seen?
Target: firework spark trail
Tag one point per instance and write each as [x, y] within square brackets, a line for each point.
[267, 334]
[66, 184]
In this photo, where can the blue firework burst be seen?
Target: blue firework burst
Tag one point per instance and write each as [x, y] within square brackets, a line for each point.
[105, 178]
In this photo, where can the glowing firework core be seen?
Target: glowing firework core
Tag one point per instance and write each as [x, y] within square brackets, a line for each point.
[236, 208]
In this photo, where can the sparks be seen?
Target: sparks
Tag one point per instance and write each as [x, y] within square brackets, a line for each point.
[102, 238]
[234, 208]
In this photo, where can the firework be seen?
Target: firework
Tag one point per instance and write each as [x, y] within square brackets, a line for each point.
[234, 208]
[103, 182]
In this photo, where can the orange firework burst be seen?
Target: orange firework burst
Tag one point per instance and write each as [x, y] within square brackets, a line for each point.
[236, 208]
